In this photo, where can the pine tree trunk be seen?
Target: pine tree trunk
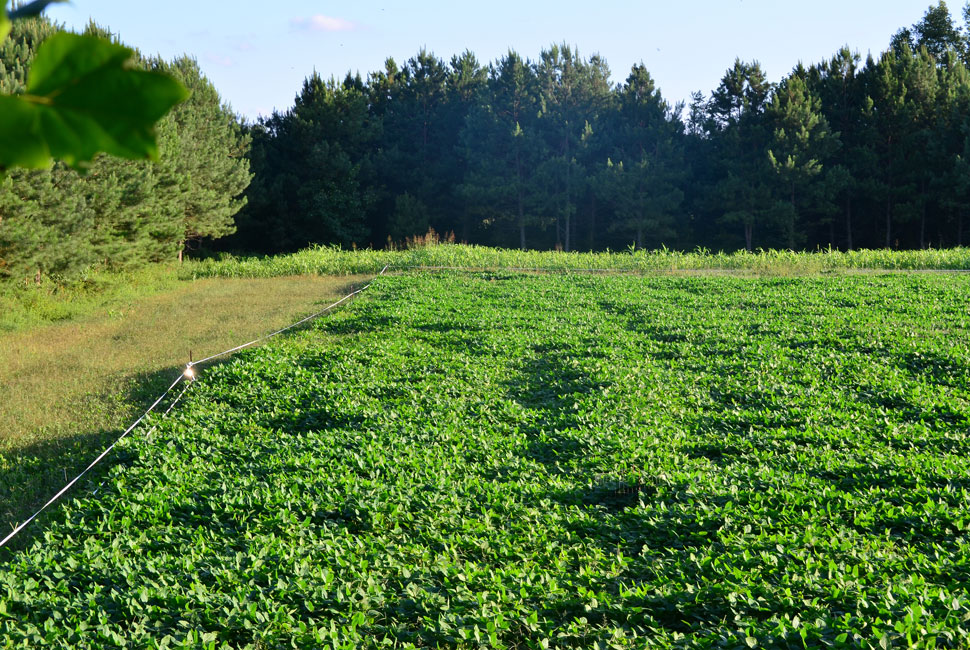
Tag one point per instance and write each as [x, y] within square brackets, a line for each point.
[922, 214]
[639, 237]
[568, 228]
[960, 230]
[791, 219]
[889, 222]
[592, 223]
[848, 223]
[180, 253]
[569, 198]
[518, 198]
[748, 228]
[558, 230]
[922, 229]
[889, 192]
[568, 220]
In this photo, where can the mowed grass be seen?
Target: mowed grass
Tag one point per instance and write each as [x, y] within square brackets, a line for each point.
[500, 460]
[69, 388]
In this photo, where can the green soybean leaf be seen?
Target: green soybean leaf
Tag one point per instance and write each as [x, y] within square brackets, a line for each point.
[84, 96]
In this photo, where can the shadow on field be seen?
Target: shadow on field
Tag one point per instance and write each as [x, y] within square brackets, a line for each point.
[550, 384]
[946, 416]
[935, 368]
[899, 492]
[609, 513]
[674, 533]
[314, 414]
[461, 338]
[362, 323]
[31, 474]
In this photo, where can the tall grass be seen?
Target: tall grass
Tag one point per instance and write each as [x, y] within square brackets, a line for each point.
[323, 260]
[95, 292]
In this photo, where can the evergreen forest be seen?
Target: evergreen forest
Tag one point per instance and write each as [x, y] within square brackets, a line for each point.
[851, 152]
[123, 214]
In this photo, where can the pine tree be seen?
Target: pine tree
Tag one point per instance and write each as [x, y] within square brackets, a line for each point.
[937, 33]
[122, 213]
[741, 193]
[887, 90]
[45, 230]
[17, 51]
[921, 159]
[417, 149]
[644, 178]
[951, 144]
[208, 163]
[502, 148]
[410, 218]
[843, 103]
[572, 94]
[801, 143]
[314, 179]
[465, 85]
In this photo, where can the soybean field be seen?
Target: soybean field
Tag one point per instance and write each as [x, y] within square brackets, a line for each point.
[518, 460]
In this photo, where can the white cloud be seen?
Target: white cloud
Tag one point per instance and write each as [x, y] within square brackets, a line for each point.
[321, 23]
[219, 60]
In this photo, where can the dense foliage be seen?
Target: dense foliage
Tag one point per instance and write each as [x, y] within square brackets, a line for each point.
[845, 153]
[122, 213]
[534, 461]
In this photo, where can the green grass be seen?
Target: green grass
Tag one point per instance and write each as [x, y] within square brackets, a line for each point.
[333, 261]
[526, 461]
[96, 292]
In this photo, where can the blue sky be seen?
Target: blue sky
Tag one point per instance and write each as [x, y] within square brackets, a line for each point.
[258, 54]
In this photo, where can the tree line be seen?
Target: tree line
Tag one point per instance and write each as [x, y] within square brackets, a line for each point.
[847, 153]
[122, 214]
[548, 153]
